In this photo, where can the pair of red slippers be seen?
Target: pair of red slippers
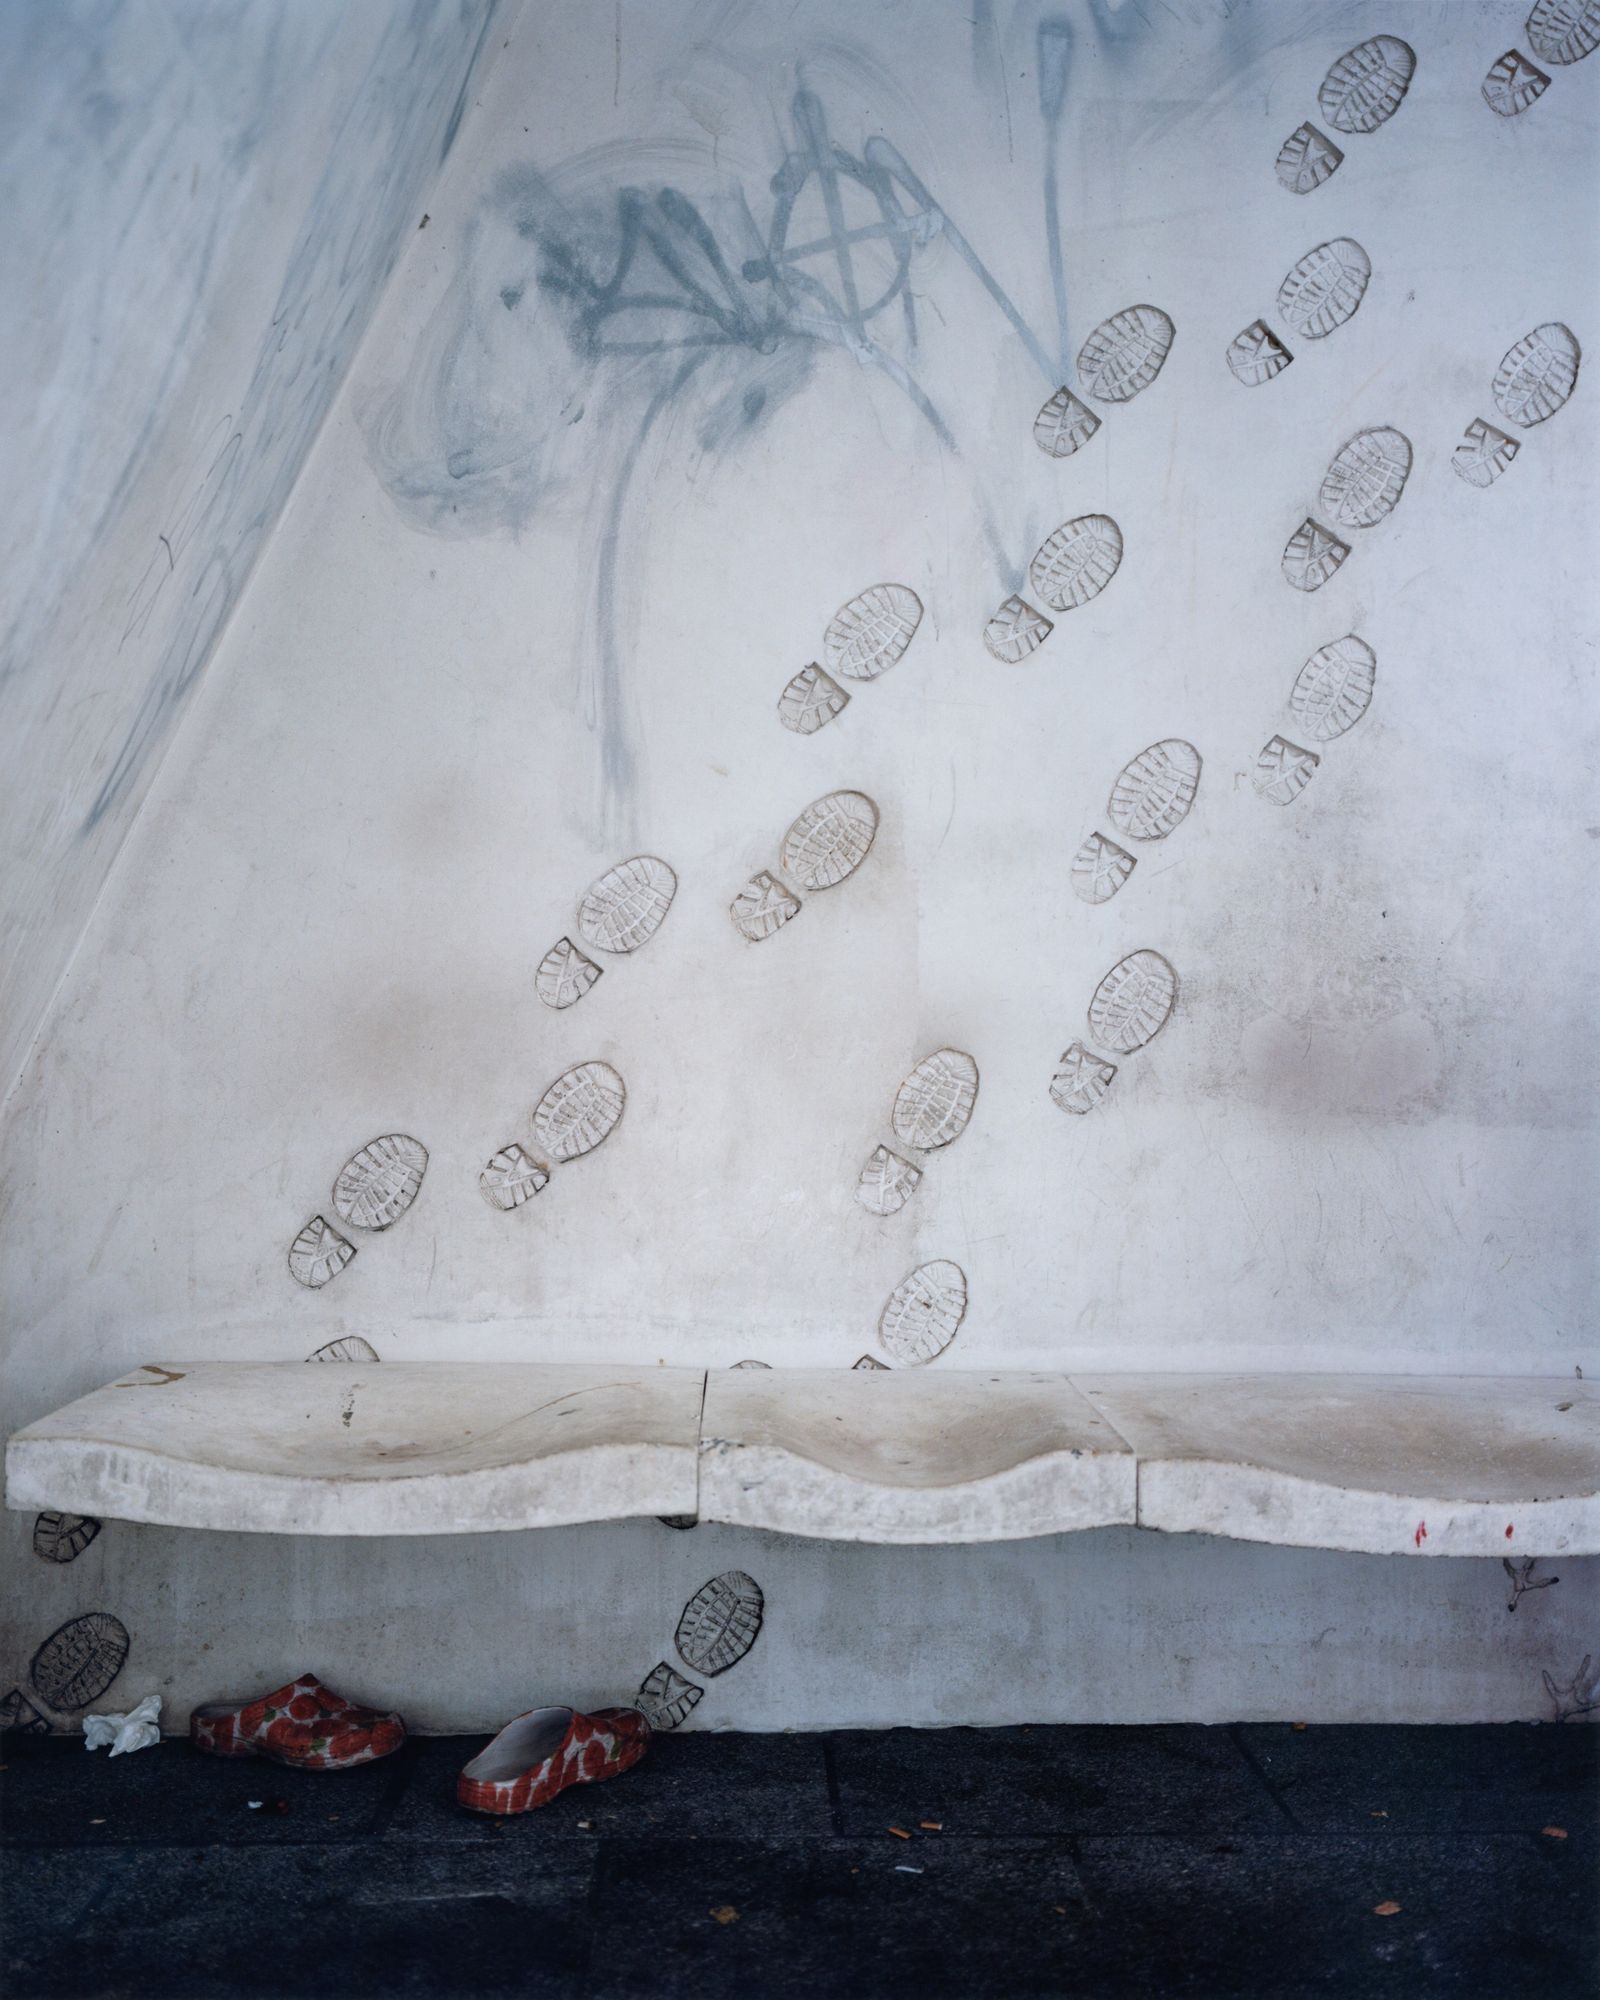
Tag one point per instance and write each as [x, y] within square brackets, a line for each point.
[533, 1759]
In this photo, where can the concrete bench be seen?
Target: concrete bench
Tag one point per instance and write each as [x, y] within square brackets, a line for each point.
[1380, 1464]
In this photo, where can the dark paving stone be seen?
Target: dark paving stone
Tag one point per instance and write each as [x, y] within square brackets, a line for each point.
[1500, 1778]
[1486, 1918]
[295, 1924]
[993, 1920]
[54, 1793]
[688, 1787]
[1057, 1780]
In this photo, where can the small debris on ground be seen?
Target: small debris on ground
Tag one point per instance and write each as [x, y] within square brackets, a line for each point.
[1386, 1909]
[905, 1868]
[1299, 1725]
[724, 1913]
[899, 1833]
[1554, 1832]
[1377, 1815]
[931, 1825]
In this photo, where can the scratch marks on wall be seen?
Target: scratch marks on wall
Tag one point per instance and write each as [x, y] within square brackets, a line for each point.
[192, 351]
[359, 214]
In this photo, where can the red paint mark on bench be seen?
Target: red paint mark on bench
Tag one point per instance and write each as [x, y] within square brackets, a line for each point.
[1421, 1535]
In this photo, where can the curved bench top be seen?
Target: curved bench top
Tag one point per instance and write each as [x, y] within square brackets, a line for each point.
[1438, 1465]
[412, 1448]
[1383, 1464]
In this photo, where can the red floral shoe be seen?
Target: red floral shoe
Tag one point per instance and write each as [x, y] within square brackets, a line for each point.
[544, 1751]
[304, 1724]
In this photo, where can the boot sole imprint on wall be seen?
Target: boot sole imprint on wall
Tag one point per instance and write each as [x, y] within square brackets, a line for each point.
[823, 847]
[1150, 799]
[863, 640]
[923, 1314]
[1536, 377]
[1128, 1009]
[619, 912]
[931, 1110]
[1331, 693]
[1320, 293]
[1070, 568]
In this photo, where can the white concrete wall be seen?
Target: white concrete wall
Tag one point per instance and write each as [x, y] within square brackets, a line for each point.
[203, 199]
[529, 612]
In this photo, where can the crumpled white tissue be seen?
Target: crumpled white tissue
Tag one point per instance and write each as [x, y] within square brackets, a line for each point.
[136, 1730]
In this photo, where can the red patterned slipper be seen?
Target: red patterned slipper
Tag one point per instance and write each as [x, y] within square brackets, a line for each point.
[544, 1751]
[304, 1724]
